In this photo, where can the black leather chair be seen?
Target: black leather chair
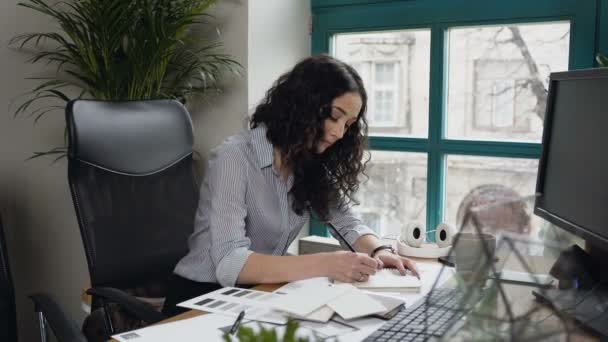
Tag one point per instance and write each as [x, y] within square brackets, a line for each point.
[46, 308]
[8, 313]
[131, 177]
[49, 313]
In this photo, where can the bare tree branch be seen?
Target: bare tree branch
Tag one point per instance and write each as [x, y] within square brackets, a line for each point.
[537, 87]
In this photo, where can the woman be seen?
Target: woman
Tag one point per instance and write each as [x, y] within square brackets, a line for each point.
[303, 154]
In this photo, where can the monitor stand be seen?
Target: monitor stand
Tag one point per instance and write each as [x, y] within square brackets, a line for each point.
[582, 292]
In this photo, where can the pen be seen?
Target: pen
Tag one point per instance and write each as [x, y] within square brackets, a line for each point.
[340, 237]
[415, 271]
[236, 324]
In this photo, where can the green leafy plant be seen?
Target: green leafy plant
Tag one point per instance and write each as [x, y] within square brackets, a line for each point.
[246, 334]
[121, 50]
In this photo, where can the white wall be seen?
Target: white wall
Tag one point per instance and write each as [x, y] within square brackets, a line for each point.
[279, 36]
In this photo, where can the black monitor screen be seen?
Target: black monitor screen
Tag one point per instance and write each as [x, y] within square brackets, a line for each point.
[572, 184]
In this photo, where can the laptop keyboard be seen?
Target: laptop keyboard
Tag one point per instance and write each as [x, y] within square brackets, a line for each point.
[423, 321]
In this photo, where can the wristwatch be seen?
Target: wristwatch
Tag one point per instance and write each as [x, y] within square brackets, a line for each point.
[381, 248]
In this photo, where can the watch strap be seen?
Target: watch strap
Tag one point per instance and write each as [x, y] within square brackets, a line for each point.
[381, 248]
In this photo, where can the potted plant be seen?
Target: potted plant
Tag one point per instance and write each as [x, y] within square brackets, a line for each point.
[119, 50]
[246, 334]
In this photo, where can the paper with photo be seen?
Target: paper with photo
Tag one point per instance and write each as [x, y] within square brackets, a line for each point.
[231, 301]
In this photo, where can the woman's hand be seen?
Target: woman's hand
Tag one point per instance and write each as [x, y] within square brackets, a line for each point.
[349, 267]
[390, 260]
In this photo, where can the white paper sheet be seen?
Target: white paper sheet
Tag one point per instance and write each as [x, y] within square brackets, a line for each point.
[231, 301]
[391, 280]
[364, 326]
[354, 304]
[196, 329]
[304, 283]
[331, 329]
[207, 328]
[389, 300]
[429, 274]
[304, 331]
[306, 299]
[320, 315]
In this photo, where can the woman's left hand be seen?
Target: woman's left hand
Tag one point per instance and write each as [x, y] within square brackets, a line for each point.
[390, 260]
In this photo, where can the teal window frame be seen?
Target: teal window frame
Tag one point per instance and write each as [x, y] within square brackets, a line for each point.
[331, 17]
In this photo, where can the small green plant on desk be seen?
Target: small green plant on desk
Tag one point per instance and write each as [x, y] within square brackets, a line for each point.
[245, 334]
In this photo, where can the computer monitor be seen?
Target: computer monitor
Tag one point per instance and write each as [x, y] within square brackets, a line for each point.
[572, 192]
[572, 183]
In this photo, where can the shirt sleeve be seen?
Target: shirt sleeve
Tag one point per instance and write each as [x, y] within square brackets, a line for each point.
[227, 178]
[348, 225]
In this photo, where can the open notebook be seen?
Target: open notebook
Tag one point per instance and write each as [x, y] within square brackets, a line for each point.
[390, 280]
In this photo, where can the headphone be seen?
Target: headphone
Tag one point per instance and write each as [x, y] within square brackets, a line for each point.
[411, 241]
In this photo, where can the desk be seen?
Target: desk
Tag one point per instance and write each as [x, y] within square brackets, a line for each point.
[521, 299]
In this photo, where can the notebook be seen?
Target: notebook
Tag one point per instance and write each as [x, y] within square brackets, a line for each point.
[390, 280]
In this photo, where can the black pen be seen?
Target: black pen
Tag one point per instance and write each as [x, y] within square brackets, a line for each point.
[340, 237]
[236, 324]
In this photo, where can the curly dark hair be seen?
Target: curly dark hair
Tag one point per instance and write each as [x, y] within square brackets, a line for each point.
[294, 111]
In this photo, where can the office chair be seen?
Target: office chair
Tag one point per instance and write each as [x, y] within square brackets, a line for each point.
[131, 177]
[46, 308]
[8, 311]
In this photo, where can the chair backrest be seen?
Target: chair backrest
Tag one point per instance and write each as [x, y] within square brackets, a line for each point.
[8, 313]
[133, 187]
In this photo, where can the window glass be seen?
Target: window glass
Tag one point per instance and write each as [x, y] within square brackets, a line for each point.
[505, 186]
[395, 68]
[498, 79]
[394, 193]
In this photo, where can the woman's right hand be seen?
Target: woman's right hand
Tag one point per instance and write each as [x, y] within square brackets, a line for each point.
[349, 267]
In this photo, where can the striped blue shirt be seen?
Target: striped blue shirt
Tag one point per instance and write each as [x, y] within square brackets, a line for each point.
[245, 207]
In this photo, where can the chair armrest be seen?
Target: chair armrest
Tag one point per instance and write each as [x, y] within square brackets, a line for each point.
[132, 305]
[64, 329]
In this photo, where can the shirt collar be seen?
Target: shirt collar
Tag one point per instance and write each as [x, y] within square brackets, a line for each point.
[263, 148]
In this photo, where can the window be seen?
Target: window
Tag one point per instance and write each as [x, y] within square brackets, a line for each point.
[381, 79]
[384, 91]
[394, 66]
[498, 78]
[457, 98]
[391, 175]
